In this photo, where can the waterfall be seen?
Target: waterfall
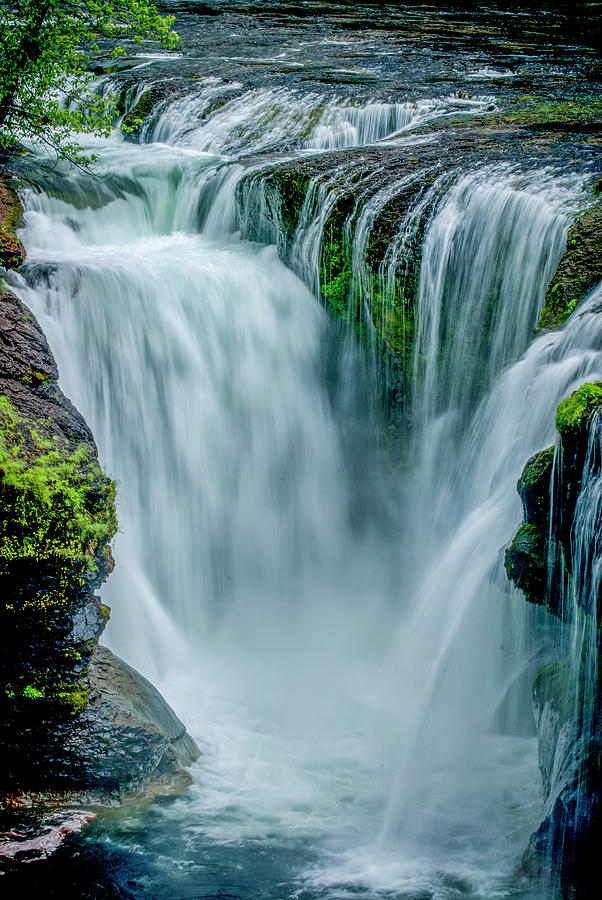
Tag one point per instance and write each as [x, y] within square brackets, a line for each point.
[336, 634]
[460, 603]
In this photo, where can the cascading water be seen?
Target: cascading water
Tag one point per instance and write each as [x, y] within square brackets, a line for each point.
[268, 120]
[567, 691]
[339, 659]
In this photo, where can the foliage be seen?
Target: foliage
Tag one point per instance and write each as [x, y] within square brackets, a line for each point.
[45, 51]
[572, 414]
[54, 504]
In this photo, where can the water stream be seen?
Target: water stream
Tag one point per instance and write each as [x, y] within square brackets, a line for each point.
[338, 636]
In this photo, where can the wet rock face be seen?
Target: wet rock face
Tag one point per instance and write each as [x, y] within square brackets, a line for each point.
[526, 559]
[128, 741]
[579, 270]
[28, 374]
[568, 839]
[566, 701]
[72, 716]
[57, 516]
[12, 251]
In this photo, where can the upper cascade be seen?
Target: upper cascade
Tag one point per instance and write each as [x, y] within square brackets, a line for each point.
[223, 119]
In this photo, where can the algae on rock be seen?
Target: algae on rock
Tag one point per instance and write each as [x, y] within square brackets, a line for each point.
[580, 269]
[12, 252]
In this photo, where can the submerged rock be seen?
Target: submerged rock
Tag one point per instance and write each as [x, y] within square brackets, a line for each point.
[25, 847]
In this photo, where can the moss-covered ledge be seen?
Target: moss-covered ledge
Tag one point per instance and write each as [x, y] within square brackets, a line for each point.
[526, 559]
[57, 516]
[579, 270]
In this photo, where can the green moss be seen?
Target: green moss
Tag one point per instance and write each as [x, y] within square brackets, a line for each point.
[131, 124]
[291, 189]
[537, 471]
[35, 376]
[580, 269]
[33, 693]
[573, 413]
[534, 488]
[526, 563]
[335, 260]
[55, 505]
[12, 210]
[74, 700]
[70, 698]
[531, 111]
[12, 252]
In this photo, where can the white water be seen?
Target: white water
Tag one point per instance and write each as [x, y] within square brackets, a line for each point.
[342, 677]
[279, 119]
[570, 723]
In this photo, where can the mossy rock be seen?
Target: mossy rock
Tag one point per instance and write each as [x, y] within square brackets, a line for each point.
[291, 189]
[553, 685]
[526, 563]
[584, 113]
[579, 271]
[54, 504]
[335, 261]
[574, 413]
[133, 121]
[57, 516]
[534, 488]
[12, 251]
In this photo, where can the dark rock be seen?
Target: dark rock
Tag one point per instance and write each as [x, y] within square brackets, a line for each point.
[566, 701]
[128, 741]
[28, 374]
[534, 488]
[526, 563]
[75, 722]
[580, 269]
